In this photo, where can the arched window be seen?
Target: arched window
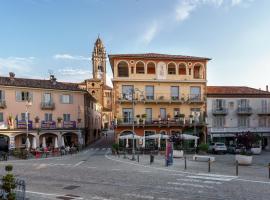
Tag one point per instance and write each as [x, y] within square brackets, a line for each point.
[197, 71]
[171, 68]
[182, 69]
[140, 68]
[122, 69]
[151, 68]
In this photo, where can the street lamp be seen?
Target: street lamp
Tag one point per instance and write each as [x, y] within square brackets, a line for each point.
[195, 132]
[27, 105]
[133, 117]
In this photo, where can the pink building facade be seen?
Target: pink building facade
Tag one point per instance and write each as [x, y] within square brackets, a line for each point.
[57, 113]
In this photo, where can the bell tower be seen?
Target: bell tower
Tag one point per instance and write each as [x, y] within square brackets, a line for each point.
[99, 61]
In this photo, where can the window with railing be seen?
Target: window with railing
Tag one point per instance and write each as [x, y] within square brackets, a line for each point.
[66, 117]
[243, 121]
[219, 104]
[182, 69]
[219, 121]
[127, 91]
[24, 96]
[148, 112]
[171, 68]
[262, 121]
[149, 92]
[195, 93]
[48, 117]
[140, 68]
[174, 93]
[151, 68]
[127, 114]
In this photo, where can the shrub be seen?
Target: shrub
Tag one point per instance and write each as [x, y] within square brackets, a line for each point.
[9, 183]
[203, 147]
[115, 146]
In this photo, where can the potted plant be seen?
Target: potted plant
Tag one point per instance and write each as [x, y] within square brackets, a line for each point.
[246, 140]
[143, 118]
[115, 148]
[8, 183]
[59, 120]
[138, 118]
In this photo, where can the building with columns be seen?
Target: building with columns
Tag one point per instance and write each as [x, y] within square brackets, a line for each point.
[97, 86]
[237, 109]
[168, 92]
[55, 110]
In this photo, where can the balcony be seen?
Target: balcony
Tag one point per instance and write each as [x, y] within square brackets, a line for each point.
[263, 111]
[244, 110]
[220, 111]
[47, 106]
[239, 130]
[3, 104]
[196, 98]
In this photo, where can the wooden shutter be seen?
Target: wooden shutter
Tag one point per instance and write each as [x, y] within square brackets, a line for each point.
[71, 99]
[214, 104]
[61, 98]
[18, 96]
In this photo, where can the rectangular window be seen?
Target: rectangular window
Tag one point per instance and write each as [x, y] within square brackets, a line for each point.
[243, 121]
[127, 91]
[219, 121]
[176, 112]
[66, 117]
[149, 92]
[219, 104]
[127, 115]
[24, 96]
[1, 117]
[243, 103]
[262, 121]
[195, 93]
[174, 92]
[264, 106]
[1, 95]
[47, 97]
[163, 115]
[48, 117]
[148, 112]
[66, 99]
[196, 113]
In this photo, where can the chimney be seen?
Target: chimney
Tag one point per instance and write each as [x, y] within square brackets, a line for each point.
[267, 88]
[53, 79]
[11, 75]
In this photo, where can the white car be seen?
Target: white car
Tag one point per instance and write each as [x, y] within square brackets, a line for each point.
[217, 147]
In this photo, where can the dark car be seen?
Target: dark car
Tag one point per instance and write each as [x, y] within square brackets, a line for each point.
[234, 149]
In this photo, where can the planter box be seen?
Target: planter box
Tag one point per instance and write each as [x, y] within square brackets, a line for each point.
[256, 151]
[178, 154]
[243, 160]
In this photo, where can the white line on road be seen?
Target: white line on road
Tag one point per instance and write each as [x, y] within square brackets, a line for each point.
[199, 181]
[211, 178]
[77, 164]
[139, 196]
[190, 184]
[216, 175]
[48, 194]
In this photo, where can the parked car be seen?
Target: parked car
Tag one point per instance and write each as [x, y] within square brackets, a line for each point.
[234, 149]
[217, 147]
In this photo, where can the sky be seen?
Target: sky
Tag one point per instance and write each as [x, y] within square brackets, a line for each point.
[40, 37]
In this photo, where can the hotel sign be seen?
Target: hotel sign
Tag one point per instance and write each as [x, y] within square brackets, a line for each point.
[69, 124]
[22, 124]
[48, 124]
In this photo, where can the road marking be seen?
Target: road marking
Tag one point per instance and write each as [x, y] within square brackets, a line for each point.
[77, 164]
[190, 184]
[103, 149]
[211, 178]
[199, 181]
[41, 166]
[91, 167]
[252, 181]
[217, 175]
[115, 169]
[48, 194]
[139, 196]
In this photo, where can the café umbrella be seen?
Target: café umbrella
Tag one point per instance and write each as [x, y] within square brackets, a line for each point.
[27, 143]
[34, 143]
[56, 143]
[63, 142]
[44, 142]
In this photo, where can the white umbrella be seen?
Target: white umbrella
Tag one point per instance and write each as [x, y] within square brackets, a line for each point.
[44, 142]
[157, 136]
[126, 142]
[27, 144]
[189, 137]
[130, 136]
[56, 143]
[159, 142]
[63, 141]
[34, 143]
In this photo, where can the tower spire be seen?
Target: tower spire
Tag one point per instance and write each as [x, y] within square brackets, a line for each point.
[99, 60]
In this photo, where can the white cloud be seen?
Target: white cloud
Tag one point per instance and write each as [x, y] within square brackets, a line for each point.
[69, 57]
[16, 64]
[184, 9]
[150, 33]
[236, 2]
[74, 72]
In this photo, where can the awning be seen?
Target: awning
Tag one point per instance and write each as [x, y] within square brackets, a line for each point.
[130, 136]
[157, 136]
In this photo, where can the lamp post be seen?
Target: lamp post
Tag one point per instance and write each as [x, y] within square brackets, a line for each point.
[133, 125]
[27, 105]
[195, 132]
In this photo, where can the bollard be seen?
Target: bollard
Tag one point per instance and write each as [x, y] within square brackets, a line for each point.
[151, 159]
[269, 169]
[185, 162]
[236, 167]
[209, 163]
[138, 158]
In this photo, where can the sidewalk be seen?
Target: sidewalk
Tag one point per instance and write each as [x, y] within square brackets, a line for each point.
[224, 165]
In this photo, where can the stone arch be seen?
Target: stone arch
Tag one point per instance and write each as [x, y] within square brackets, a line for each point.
[4, 142]
[122, 68]
[151, 68]
[171, 68]
[140, 67]
[71, 138]
[20, 139]
[198, 71]
[182, 69]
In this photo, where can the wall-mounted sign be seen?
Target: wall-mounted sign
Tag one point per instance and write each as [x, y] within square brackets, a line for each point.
[22, 124]
[161, 70]
[48, 124]
[69, 124]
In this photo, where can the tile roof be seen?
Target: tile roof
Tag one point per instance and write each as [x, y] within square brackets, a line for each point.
[159, 56]
[234, 90]
[38, 83]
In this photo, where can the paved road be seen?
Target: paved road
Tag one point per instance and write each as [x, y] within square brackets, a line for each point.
[93, 175]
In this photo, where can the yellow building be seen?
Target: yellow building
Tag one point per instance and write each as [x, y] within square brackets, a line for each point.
[168, 92]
